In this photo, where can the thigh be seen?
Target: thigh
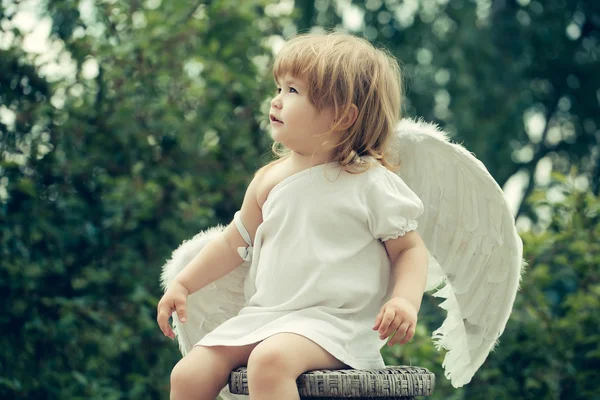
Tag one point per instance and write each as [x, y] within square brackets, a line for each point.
[293, 353]
[204, 371]
[232, 356]
[216, 357]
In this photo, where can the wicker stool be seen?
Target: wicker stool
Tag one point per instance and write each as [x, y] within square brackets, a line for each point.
[390, 383]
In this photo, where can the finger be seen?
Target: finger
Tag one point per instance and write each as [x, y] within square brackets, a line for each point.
[170, 333]
[388, 317]
[400, 333]
[403, 328]
[393, 324]
[163, 323]
[164, 312]
[180, 306]
[378, 320]
[409, 334]
[159, 316]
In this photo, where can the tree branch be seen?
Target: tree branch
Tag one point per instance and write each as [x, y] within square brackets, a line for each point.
[541, 152]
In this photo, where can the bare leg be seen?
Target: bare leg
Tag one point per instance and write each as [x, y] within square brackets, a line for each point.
[275, 364]
[204, 371]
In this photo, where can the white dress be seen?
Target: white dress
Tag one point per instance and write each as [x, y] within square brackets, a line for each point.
[319, 267]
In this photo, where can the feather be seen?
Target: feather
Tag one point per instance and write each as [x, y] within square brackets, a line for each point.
[475, 254]
[470, 233]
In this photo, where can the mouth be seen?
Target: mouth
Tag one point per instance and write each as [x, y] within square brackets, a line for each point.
[274, 120]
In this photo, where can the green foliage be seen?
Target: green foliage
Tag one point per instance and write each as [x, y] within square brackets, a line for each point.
[482, 69]
[104, 181]
[549, 349]
[154, 136]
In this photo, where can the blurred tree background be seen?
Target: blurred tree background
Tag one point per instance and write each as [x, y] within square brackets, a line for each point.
[127, 127]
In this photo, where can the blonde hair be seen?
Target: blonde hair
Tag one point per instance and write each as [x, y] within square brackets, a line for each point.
[340, 70]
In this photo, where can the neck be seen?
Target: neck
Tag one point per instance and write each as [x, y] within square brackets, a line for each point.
[309, 160]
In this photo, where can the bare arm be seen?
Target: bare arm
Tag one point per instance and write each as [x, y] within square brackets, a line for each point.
[408, 256]
[220, 256]
[398, 316]
[216, 259]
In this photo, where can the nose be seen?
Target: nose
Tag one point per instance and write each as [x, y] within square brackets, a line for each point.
[276, 102]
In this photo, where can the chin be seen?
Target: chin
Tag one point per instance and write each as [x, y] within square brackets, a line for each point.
[280, 138]
[290, 144]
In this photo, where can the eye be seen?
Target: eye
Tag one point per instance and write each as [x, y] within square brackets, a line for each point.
[292, 90]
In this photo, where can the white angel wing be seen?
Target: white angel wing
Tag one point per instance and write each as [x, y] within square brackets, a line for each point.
[467, 227]
[210, 306]
[471, 234]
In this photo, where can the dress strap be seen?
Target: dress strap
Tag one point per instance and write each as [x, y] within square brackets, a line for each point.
[241, 228]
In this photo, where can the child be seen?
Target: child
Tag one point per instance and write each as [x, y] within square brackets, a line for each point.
[337, 265]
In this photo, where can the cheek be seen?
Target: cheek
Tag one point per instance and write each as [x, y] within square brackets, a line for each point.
[323, 122]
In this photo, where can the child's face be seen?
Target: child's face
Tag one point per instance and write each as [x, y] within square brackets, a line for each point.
[295, 121]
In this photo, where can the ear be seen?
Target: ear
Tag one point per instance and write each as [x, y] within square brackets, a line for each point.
[349, 119]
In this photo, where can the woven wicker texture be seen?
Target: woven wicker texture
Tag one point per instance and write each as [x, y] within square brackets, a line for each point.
[389, 383]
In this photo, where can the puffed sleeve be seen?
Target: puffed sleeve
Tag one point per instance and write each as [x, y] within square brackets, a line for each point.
[392, 207]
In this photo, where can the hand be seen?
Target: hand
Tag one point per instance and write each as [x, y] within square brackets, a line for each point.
[398, 318]
[174, 300]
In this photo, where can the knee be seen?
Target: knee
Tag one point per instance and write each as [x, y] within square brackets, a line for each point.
[182, 377]
[193, 375]
[267, 364]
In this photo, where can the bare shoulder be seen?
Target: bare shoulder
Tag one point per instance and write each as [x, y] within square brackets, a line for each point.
[268, 177]
[250, 213]
[251, 210]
